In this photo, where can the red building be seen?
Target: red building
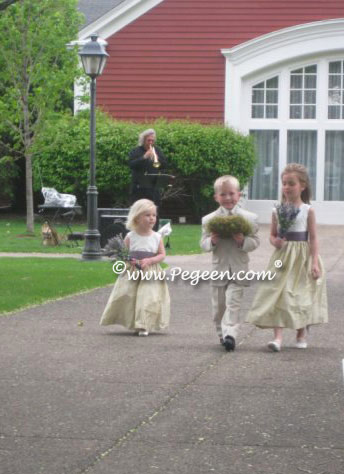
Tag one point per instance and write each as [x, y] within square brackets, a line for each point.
[274, 69]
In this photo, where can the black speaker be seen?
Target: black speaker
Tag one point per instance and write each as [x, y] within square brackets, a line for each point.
[110, 226]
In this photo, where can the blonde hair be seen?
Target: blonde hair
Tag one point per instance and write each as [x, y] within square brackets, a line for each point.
[146, 133]
[139, 207]
[302, 174]
[226, 179]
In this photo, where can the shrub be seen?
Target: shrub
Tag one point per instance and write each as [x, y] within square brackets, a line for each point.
[197, 155]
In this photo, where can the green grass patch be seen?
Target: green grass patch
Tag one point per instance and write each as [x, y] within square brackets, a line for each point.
[29, 281]
[184, 239]
[13, 238]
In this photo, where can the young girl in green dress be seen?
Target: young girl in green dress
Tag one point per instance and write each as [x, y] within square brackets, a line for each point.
[140, 304]
[296, 298]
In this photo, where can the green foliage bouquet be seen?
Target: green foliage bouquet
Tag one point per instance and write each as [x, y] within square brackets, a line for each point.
[226, 226]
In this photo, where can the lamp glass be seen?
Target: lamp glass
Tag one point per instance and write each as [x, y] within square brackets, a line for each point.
[93, 65]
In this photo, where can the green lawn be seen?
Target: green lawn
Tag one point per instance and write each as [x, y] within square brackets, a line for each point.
[13, 238]
[29, 281]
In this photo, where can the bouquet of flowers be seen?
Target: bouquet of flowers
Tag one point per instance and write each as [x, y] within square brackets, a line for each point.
[116, 249]
[227, 226]
[286, 215]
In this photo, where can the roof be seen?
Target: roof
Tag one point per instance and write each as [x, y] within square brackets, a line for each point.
[95, 9]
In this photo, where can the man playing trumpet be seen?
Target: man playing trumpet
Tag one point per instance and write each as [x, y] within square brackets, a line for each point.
[147, 158]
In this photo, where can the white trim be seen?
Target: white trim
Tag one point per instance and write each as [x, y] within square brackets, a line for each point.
[276, 54]
[282, 39]
[117, 18]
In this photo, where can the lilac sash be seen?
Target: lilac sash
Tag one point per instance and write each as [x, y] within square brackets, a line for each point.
[297, 236]
[140, 254]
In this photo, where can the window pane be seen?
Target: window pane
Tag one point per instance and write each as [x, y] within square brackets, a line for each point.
[264, 184]
[303, 92]
[257, 96]
[264, 93]
[258, 111]
[334, 166]
[334, 82]
[334, 112]
[296, 97]
[272, 83]
[295, 111]
[335, 67]
[310, 97]
[297, 71]
[271, 111]
[296, 82]
[309, 112]
[336, 90]
[310, 82]
[302, 148]
[334, 97]
[271, 97]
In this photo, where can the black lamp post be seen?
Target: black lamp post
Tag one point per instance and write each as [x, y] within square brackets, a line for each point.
[93, 57]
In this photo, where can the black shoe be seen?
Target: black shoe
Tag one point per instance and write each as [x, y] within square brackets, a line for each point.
[229, 343]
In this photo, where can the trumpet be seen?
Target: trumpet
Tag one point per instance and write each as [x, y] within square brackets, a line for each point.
[156, 162]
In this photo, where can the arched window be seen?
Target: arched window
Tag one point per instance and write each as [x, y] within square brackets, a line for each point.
[286, 89]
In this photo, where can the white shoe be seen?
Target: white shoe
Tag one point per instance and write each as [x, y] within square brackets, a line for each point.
[274, 346]
[143, 332]
[301, 344]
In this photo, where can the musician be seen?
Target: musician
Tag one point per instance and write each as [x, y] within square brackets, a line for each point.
[146, 158]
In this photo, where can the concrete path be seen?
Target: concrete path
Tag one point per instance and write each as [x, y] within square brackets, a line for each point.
[77, 398]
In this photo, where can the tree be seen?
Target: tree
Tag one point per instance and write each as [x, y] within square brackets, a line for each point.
[6, 3]
[37, 71]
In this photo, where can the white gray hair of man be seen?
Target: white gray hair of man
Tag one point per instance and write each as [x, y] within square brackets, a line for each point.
[146, 133]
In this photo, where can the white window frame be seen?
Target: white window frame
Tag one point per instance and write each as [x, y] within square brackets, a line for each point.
[279, 53]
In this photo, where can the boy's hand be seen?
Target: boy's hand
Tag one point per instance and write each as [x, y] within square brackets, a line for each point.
[239, 238]
[214, 238]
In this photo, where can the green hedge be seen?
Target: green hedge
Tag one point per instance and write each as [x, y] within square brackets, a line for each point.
[197, 155]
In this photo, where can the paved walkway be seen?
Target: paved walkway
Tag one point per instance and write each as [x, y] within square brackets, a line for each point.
[77, 399]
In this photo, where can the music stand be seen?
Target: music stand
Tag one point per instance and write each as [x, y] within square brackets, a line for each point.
[157, 181]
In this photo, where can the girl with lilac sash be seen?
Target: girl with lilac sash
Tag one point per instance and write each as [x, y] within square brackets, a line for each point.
[141, 304]
[296, 298]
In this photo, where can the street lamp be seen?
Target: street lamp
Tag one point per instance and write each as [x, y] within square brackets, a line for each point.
[93, 57]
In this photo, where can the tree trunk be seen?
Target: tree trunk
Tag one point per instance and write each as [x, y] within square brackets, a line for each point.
[28, 168]
[29, 194]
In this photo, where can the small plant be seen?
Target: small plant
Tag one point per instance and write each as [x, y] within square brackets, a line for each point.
[286, 215]
[117, 250]
[227, 226]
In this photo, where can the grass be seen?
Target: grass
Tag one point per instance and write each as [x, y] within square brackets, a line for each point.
[14, 238]
[29, 281]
